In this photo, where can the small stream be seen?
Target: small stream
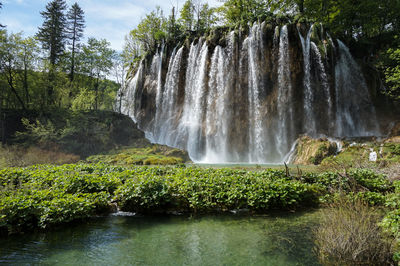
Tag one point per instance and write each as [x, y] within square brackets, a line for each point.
[278, 239]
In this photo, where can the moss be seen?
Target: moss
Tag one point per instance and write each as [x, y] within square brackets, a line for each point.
[152, 155]
[313, 151]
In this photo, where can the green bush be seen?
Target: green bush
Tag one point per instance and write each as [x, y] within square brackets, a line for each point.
[41, 208]
[391, 221]
[204, 190]
[371, 180]
[43, 195]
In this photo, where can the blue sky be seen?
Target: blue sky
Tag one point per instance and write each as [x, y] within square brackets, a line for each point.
[108, 19]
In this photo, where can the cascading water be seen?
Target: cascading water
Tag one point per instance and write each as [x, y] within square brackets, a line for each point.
[256, 136]
[128, 97]
[248, 99]
[195, 92]
[324, 83]
[216, 113]
[309, 121]
[352, 99]
[166, 124]
[284, 106]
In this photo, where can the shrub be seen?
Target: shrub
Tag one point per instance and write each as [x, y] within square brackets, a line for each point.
[371, 180]
[205, 190]
[349, 234]
[144, 194]
[391, 221]
[40, 208]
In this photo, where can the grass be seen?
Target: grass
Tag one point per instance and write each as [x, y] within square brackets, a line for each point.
[17, 156]
[349, 234]
[154, 155]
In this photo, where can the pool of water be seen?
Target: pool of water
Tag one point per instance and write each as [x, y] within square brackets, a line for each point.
[170, 240]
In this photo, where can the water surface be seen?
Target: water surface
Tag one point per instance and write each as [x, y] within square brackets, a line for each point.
[170, 240]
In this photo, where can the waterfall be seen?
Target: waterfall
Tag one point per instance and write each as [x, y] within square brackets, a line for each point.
[217, 109]
[355, 113]
[128, 95]
[247, 99]
[256, 130]
[309, 120]
[284, 106]
[324, 84]
[195, 92]
[168, 118]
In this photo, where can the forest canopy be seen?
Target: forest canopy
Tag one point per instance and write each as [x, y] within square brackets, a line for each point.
[56, 68]
[60, 67]
[370, 27]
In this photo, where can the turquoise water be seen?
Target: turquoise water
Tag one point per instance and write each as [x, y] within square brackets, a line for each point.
[170, 240]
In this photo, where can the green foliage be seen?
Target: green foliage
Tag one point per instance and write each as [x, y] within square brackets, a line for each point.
[74, 30]
[55, 76]
[370, 180]
[151, 30]
[391, 221]
[187, 16]
[78, 132]
[41, 196]
[17, 57]
[242, 12]
[323, 151]
[84, 100]
[215, 189]
[392, 75]
[42, 208]
[52, 33]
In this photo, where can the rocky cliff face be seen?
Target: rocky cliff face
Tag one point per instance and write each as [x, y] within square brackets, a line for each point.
[246, 96]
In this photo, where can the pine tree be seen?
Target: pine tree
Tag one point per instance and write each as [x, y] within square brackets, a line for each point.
[1, 6]
[75, 26]
[52, 34]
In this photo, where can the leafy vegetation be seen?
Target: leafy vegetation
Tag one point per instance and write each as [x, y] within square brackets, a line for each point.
[44, 195]
[26, 192]
[83, 133]
[54, 69]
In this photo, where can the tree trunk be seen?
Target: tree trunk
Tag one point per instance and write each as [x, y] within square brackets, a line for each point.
[26, 82]
[71, 77]
[301, 6]
[3, 121]
[10, 83]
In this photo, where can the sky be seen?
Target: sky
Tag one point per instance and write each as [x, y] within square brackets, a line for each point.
[105, 19]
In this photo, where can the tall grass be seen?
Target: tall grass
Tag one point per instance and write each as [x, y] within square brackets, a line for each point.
[14, 156]
[349, 234]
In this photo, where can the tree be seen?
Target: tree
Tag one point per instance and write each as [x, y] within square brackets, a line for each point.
[187, 16]
[206, 18]
[151, 30]
[1, 6]
[173, 27]
[29, 55]
[10, 65]
[97, 61]
[52, 33]
[75, 27]
[392, 73]
[241, 12]
[133, 52]
[197, 16]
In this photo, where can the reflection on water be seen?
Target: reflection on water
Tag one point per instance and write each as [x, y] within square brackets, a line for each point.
[170, 240]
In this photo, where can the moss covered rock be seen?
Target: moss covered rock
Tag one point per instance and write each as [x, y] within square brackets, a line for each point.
[313, 151]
